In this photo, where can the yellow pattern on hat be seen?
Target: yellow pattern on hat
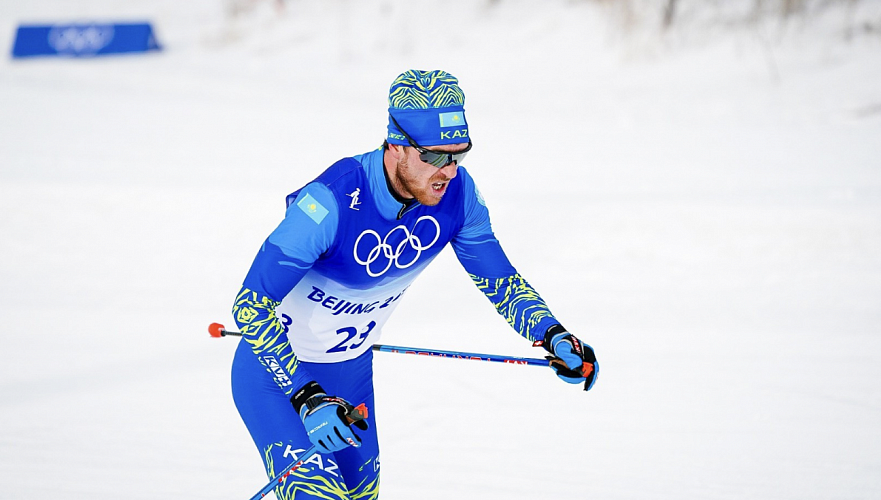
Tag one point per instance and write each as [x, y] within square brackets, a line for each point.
[417, 89]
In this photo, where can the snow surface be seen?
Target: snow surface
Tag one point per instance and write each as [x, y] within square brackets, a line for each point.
[703, 206]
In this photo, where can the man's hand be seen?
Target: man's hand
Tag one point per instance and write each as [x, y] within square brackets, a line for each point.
[328, 419]
[572, 360]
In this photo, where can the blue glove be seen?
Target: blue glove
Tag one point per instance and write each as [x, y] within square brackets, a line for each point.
[328, 419]
[572, 360]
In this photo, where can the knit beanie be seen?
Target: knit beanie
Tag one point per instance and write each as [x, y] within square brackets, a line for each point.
[429, 106]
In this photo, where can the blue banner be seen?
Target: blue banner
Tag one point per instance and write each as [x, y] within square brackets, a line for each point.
[83, 39]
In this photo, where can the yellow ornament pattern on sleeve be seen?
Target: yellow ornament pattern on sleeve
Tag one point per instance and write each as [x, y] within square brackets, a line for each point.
[517, 302]
[255, 315]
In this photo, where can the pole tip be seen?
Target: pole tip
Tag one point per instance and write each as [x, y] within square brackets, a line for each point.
[216, 330]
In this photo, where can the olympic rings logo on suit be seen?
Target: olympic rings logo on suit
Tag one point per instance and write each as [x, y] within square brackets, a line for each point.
[383, 249]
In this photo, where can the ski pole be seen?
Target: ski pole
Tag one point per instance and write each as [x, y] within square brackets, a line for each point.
[474, 356]
[353, 414]
[281, 476]
[218, 330]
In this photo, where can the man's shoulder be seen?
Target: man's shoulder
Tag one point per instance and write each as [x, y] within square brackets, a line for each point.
[340, 172]
[352, 169]
[334, 178]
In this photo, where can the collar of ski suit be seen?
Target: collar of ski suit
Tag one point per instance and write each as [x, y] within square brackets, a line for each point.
[388, 206]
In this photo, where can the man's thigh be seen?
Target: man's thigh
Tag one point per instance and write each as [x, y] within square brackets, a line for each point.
[279, 435]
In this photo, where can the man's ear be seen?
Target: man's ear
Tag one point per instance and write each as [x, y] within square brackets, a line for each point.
[396, 150]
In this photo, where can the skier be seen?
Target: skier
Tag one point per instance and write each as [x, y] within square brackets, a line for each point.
[328, 277]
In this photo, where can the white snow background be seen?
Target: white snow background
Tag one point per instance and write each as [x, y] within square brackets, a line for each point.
[702, 206]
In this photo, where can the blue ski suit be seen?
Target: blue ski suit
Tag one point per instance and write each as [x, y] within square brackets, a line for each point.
[319, 291]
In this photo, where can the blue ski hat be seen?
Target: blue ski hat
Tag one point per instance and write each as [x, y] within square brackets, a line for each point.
[429, 106]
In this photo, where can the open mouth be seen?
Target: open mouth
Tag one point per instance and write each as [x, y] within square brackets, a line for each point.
[439, 187]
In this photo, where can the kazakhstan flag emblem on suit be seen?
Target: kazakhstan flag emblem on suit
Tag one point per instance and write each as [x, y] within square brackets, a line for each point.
[452, 119]
[312, 208]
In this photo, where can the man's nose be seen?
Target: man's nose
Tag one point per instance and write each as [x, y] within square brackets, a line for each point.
[450, 169]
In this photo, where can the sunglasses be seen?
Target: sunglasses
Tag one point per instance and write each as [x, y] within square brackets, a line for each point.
[439, 159]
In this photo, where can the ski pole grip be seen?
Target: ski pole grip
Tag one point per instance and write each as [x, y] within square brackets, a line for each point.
[356, 415]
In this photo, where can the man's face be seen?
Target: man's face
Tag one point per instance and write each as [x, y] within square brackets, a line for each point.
[414, 178]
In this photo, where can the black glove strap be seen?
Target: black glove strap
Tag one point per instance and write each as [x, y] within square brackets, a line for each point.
[550, 333]
[306, 392]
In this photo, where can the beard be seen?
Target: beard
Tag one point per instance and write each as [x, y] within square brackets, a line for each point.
[421, 190]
